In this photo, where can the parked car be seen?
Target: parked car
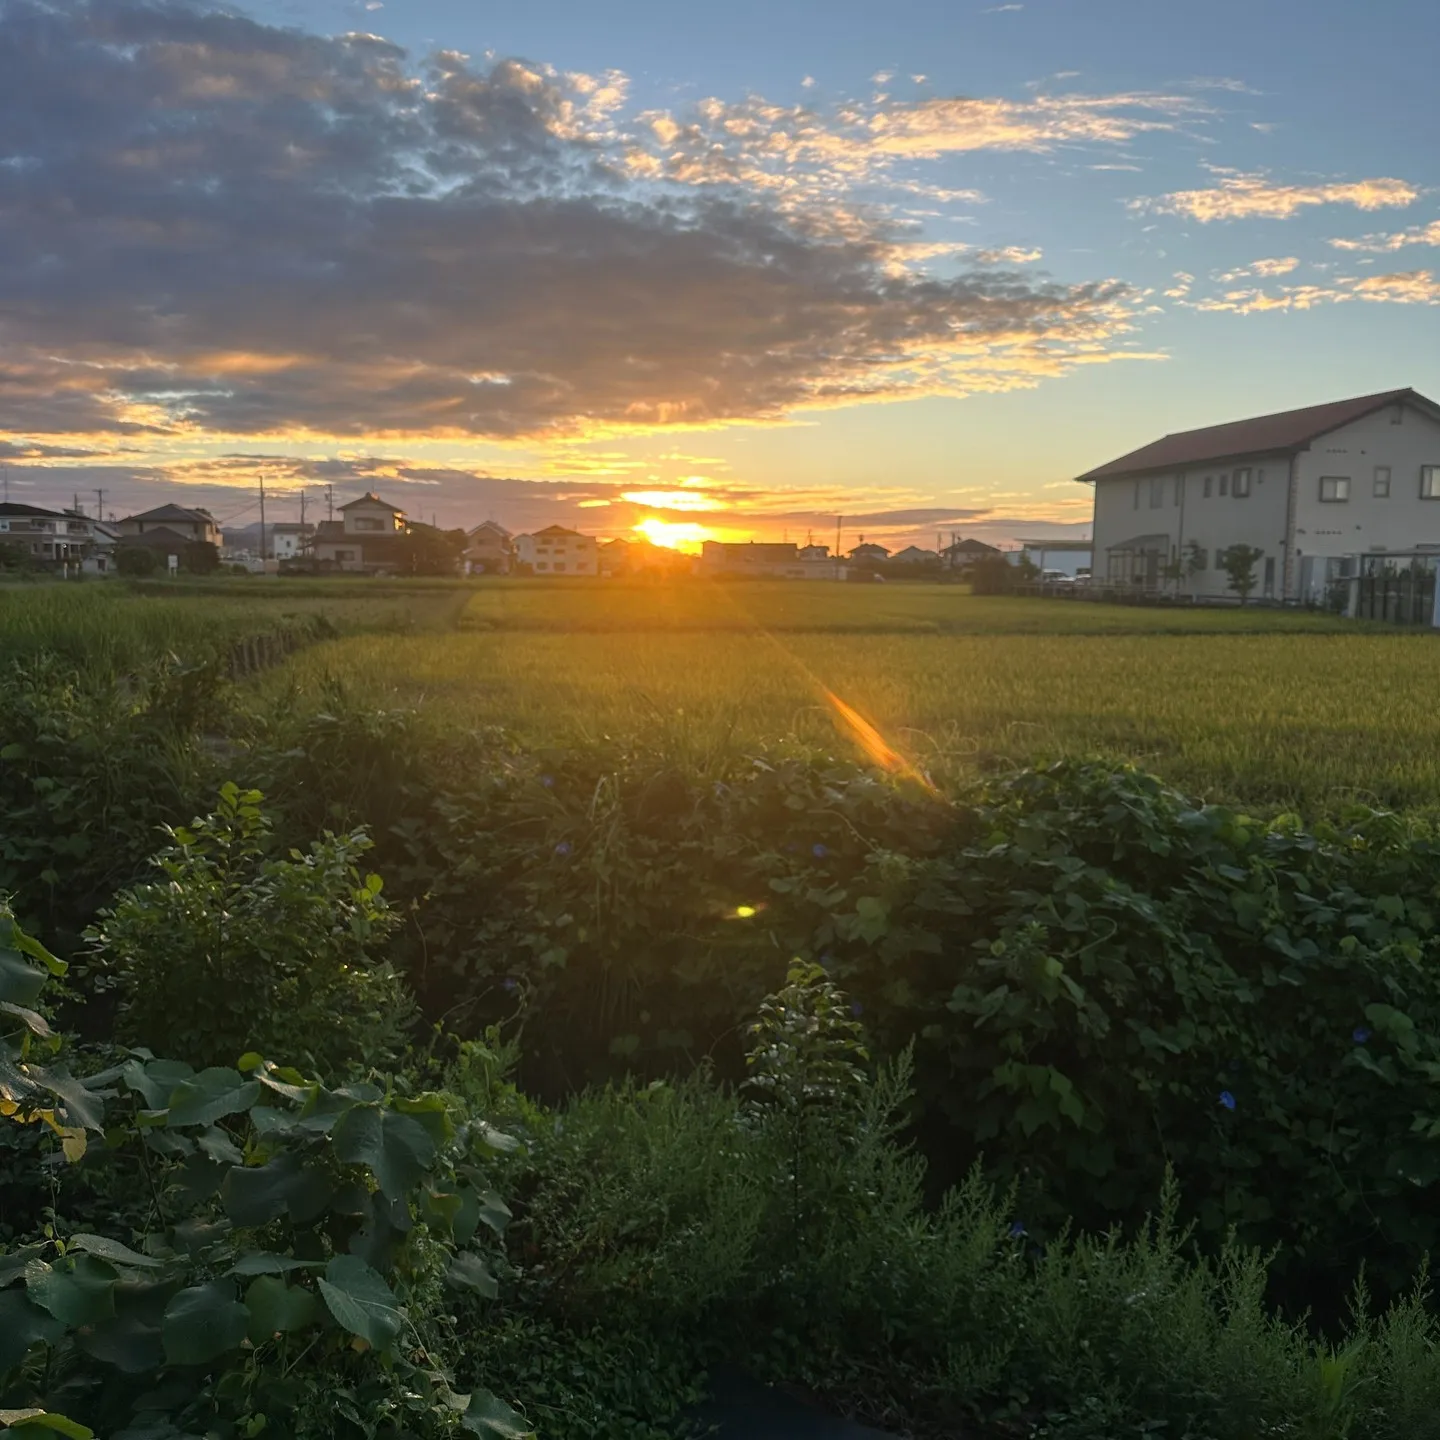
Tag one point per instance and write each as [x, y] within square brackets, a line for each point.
[1056, 577]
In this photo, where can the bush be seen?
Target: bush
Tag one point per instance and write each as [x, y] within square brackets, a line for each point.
[136, 561]
[295, 1245]
[236, 949]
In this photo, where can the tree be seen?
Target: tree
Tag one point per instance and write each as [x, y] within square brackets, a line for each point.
[135, 560]
[1194, 562]
[200, 557]
[424, 550]
[1240, 562]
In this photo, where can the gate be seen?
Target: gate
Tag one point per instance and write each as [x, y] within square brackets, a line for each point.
[1397, 588]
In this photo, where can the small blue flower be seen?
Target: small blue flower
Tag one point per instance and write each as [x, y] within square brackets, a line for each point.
[1017, 1229]
[510, 984]
[856, 1008]
[1360, 1034]
[819, 851]
[1227, 1099]
[547, 781]
[563, 848]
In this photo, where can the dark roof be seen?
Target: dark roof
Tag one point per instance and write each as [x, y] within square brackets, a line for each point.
[751, 549]
[330, 530]
[869, 547]
[16, 508]
[970, 547]
[1285, 433]
[371, 498]
[176, 512]
[559, 530]
[156, 539]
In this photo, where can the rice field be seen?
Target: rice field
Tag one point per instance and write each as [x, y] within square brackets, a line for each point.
[1265, 708]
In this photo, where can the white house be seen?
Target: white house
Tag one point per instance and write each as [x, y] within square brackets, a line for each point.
[1314, 490]
[558, 551]
[366, 537]
[179, 520]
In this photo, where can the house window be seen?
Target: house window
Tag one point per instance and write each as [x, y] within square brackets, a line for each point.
[1179, 489]
[1137, 494]
[1157, 492]
[368, 522]
[1382, 482]
[1209, 485]
[542, 564]
[1334, 487]
[559, 565]
[1242, 484]
[1225, 484]
[341, 556]
[1430, 482]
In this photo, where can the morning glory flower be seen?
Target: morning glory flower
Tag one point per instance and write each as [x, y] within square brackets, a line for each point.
[1227, 1099]
[819, 851]
[563, 848]
[1359, 1034]
[547, 781]
[509, 984]
[856, 1008]
[1017, 1229]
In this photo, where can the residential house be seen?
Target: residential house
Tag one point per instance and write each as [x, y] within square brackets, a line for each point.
[914, 555]
[1068, 557]
[764, 560]
[869, 554]
[1314, 490]
[364, 540]
[489, 549]
[962, 554]
[556, 550]
[634, 558]
[189, 524]
[52, 536]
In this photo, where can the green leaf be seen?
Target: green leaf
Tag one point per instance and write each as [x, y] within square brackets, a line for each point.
[20, 984]
[259, 1194]
[361, 1301]
[278, 1308]
[35, 1023]
[44, 1420]
[112, 1250]
[397, 1148]
[23, 1324]
[203, 1322]
[469, 1272]
[261, 1264]
[14, 1264]
[78, 1290]
[210, 1096]
[490, 1416]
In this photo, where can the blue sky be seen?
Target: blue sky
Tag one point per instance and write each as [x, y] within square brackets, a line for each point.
[953, 254]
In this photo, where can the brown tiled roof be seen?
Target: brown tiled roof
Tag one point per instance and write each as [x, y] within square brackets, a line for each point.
[371, 498]
[175, 512]
[161, 538]
[1285, 433]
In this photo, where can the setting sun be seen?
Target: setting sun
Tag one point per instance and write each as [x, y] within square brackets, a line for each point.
[672, 499]
[684, 535]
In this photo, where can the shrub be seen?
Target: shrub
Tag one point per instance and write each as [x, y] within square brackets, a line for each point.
[236, 948]
[290, 1259]
[136, 561]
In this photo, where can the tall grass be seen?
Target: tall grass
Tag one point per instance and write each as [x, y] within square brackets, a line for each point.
[1305, 719]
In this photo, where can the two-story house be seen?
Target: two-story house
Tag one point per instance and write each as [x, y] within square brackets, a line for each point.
[489, 549]
[364, 539]
[49, 536]
[178, 520]
[556, 550]
[1313, 490]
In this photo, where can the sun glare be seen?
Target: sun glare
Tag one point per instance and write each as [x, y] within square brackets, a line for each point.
[675, 534]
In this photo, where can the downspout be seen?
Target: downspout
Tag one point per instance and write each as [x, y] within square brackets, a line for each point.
[1180, 541]
[1291, 495]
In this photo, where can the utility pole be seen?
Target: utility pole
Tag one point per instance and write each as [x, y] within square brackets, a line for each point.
[100, 505]
[302, 509]
[262, 525]
[75, 501]
[838, 519]
[329, 502]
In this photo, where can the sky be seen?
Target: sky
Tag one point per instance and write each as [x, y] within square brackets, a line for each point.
[731, 271]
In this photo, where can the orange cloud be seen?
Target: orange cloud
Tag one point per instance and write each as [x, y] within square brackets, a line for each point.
[1239, 197]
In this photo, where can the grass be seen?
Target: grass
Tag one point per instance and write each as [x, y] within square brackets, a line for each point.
[1268, 708]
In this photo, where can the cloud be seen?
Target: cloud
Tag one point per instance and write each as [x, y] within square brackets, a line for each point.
[1262, 269]
[213, 227]
[1412, 287]
[1383, 244]
[1242, 196]
[1001, 9]
[1008, 255]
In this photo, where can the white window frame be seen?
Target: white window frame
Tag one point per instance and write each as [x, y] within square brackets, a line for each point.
[1157, 491]
[1224, 484]
[1339, 487]
[1430, 482]
[1209, 486]
[1240, 486]
[1382, 482]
